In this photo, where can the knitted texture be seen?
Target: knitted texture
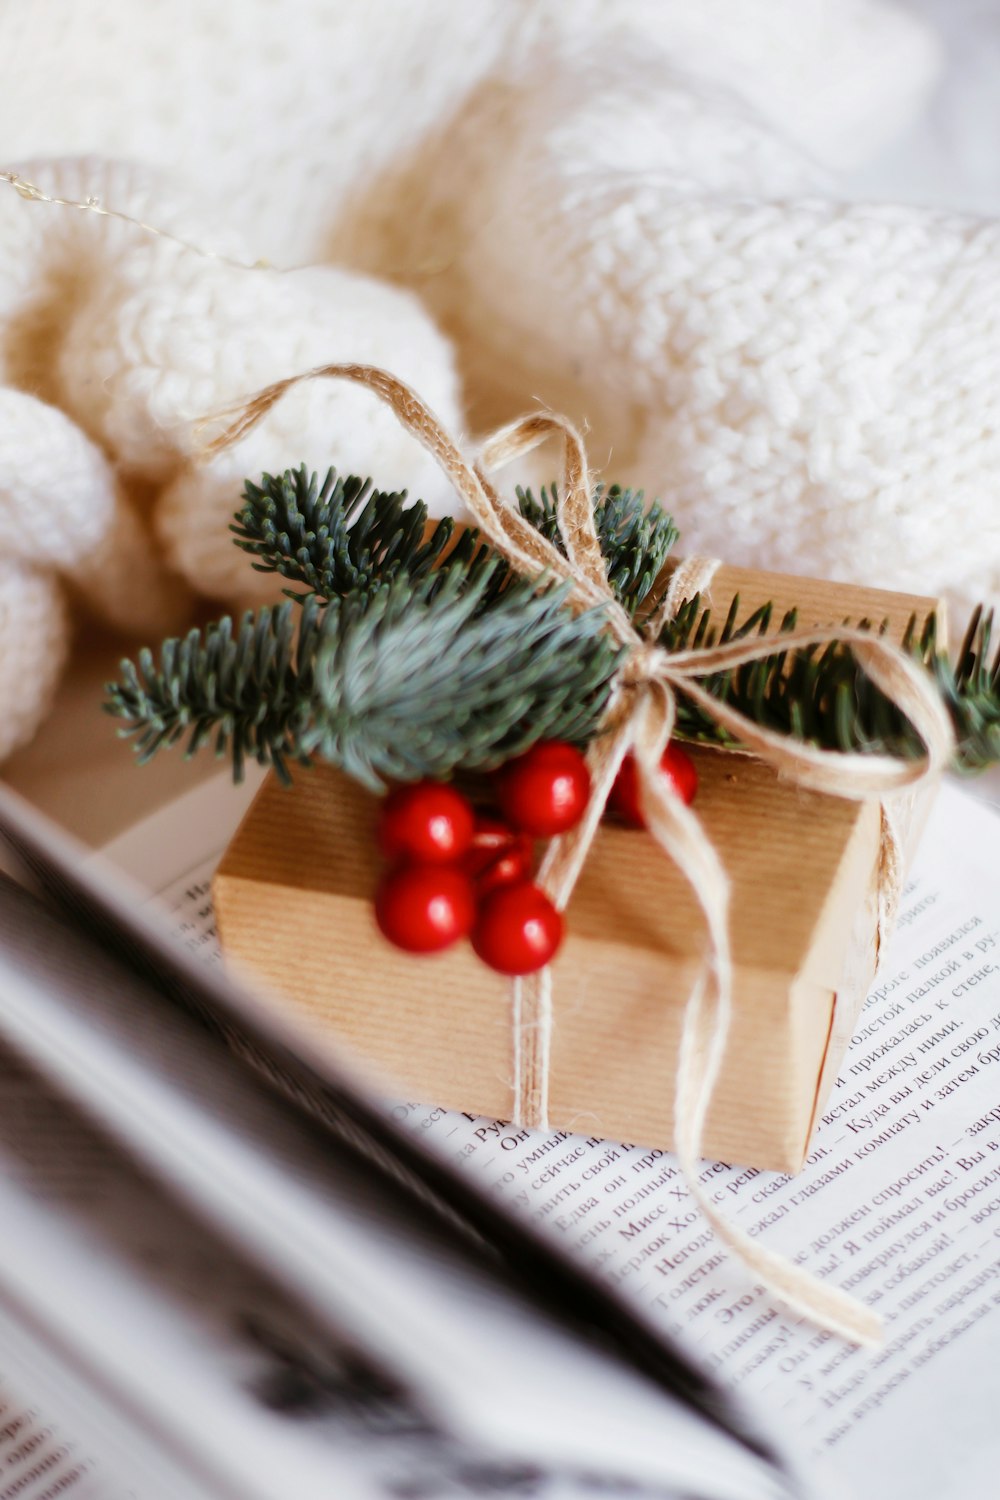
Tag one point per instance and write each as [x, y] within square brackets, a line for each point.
[635, 213]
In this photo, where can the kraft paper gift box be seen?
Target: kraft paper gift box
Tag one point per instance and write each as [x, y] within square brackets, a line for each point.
[293, 898]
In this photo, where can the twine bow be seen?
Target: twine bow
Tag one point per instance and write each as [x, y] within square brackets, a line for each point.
[640, 718]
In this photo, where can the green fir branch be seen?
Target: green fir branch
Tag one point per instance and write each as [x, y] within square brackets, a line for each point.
[426, 684]
[336, 538]
[819, 695]
[822, 696]
[344, 537]
[971, 693]
[635, 540]
[416, 680]
[417, 653]
[247, 689]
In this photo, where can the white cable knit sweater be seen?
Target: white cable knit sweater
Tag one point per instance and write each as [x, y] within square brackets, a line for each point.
[627, 210]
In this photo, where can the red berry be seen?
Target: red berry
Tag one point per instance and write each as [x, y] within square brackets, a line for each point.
[518, 930]
[427, 822]
[498, 856]
[424, 908]
[676, 765]
[545, 791]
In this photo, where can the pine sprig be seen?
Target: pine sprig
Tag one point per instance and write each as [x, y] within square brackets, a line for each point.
[247, 688]
[417, 653]
[415, 680]
[425, 684]
[823, 697]
[343, 537]
[635, 540]
[971, 692]
[817, 695]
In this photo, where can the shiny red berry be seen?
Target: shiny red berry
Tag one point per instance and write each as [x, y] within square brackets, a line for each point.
[545, 791]
[518, 930]
[425, 908]
[676, 765]
[499, 855]
[428, 822]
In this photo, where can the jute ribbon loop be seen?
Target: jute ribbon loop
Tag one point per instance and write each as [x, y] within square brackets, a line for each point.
[640, 718]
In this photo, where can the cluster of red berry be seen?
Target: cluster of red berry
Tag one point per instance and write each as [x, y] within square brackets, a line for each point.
[459, 873]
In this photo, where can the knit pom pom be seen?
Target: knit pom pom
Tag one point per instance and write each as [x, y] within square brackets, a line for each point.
[57, 491]
[265, 327]
[33, 645]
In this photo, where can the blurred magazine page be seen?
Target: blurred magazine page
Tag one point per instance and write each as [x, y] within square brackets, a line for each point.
[144, 1334]
[340, 1241]
[899, 1202]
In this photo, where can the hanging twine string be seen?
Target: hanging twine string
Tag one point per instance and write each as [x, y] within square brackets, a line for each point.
[640, 719]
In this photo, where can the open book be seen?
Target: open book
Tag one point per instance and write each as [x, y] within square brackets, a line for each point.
[213, 1286]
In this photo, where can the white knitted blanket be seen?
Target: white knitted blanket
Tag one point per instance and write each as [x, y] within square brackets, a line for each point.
[632, 211]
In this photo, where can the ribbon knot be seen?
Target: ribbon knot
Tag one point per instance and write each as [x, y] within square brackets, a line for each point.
[646, 664]
[640, 718]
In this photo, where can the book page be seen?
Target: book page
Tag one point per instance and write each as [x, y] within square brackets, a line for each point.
[899, 1203]
[174, 853]
[38, 1461]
